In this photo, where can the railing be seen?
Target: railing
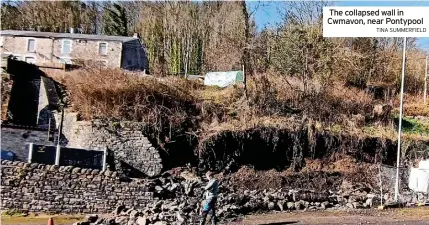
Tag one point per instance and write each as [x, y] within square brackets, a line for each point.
[62, 156]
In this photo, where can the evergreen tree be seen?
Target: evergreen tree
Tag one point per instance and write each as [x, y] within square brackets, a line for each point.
[115, 20]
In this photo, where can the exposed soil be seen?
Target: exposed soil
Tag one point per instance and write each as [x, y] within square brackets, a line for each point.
[317, 175]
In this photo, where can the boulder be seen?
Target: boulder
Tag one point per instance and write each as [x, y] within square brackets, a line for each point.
[141, 220]
[290, 205]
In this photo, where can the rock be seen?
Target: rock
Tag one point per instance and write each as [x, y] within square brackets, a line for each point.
[179, 217]
[281, 205]
[349, 205]
[134, 213]
[299, 205]
[369, 202]
[324, 205]
[121, 220]
[189, 176]
[356, 205]
[271, 205]
[306, 204]
[111, 221]
[290, 205]
[141, 220]
[99, 221]
[92, 218]
[118, 209]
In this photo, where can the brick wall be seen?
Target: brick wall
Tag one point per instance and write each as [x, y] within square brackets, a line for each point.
[17, 140]
[49, 188]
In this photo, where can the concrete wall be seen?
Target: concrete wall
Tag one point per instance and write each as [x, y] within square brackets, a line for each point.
[17, 139]
[49, 188]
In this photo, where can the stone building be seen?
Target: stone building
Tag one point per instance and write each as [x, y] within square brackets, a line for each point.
[72, 48]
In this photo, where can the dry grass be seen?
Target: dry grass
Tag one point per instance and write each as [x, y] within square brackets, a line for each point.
[120, 95]
[175, 103]
[6, 88]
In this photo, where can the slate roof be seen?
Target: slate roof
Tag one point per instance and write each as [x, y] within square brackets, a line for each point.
[22, 33]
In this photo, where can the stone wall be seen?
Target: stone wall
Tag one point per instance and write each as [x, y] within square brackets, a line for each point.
[48, 102]
[125, 140]
[16, 139]
[49, 188]
[49, 50]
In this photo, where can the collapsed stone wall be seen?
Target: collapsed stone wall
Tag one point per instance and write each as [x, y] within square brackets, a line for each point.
[65, 189]
[173, 197]
[125, 140]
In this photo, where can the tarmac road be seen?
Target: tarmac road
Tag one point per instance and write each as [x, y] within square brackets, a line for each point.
[406, 216]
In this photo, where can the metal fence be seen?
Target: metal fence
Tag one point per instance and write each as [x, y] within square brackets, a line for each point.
[388, 177]
[62, 156]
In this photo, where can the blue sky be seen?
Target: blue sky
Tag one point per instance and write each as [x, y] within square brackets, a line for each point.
[267, 13]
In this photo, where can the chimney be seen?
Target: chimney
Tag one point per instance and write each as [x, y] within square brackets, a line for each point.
[136, 35]
[71, 30]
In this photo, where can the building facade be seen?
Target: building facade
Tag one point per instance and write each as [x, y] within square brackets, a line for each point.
[79, 49]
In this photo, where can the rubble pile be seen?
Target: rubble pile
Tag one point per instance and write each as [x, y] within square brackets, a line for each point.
[179, 198]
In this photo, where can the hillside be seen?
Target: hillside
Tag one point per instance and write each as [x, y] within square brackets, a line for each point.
[334, 121]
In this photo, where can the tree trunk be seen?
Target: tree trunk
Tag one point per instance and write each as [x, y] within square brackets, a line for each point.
[246, 60]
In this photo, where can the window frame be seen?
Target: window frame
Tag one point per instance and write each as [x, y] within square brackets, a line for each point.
[62, 46]
[65, 58]
[28, 45]
[99, 44]
[29, 56]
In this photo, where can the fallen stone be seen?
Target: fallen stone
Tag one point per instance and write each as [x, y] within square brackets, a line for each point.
[118, 209]
[134, 213]
[290, 205]
[141, 220]
[92, 218]
[349, 205]
[271, 205]
[281, 205]
[121, 220]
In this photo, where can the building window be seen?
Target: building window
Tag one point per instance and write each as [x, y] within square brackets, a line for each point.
[65, 61]
[66, 47]
[102, 48]
[30, 60]
[102, 63]
[31, 45]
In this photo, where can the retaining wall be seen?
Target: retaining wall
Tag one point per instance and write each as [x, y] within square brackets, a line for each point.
[66, 189]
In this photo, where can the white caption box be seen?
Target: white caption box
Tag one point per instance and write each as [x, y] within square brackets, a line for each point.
[389, 21]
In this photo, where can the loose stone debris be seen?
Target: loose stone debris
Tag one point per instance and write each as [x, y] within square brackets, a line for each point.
[180, 198]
